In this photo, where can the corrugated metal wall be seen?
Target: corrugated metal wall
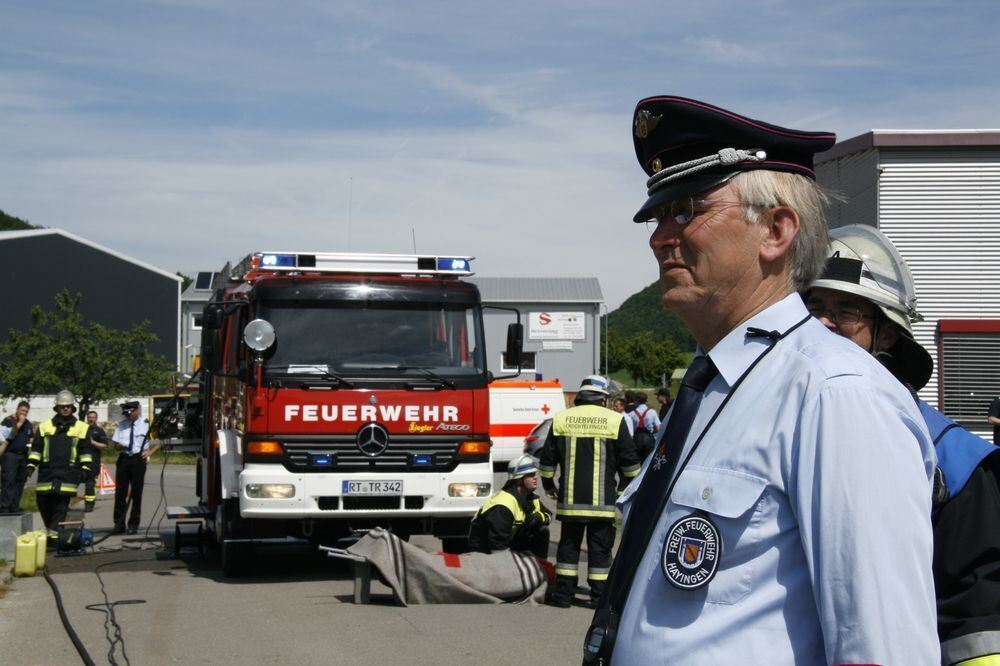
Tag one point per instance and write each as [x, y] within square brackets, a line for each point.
[942, 210]
[855, 177]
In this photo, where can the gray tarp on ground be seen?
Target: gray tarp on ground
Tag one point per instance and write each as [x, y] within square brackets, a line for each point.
[419, 577]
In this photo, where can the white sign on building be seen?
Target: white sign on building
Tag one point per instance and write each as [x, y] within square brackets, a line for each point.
[556, 326]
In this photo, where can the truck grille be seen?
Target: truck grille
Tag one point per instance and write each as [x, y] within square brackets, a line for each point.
[332, 503]
[306, 454]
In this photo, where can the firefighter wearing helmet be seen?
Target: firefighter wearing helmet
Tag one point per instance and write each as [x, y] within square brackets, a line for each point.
[591, 446]
[513, 517]
[866, 294]
[63, 455]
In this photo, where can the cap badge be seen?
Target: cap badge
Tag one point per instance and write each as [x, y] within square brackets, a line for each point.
[645, 122]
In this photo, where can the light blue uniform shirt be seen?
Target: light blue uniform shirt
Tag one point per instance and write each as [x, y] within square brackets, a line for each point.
[121, 435]
[818, 476]
[650, 419]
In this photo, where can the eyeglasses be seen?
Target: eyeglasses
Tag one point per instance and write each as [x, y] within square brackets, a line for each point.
[841, 315]
[682, 211]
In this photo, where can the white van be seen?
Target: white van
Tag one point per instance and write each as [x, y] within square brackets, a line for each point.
[515, 408]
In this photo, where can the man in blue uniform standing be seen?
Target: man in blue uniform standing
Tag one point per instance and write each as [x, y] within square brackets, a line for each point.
[131, 438]
[866, 295]
[784, 516]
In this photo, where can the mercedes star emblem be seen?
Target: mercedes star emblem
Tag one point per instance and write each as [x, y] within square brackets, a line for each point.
[373, 440]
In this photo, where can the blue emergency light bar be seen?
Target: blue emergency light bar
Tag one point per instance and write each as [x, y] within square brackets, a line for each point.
[343, 262]
[422, 459]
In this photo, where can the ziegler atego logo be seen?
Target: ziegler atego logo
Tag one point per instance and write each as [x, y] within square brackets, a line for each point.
[368, 413]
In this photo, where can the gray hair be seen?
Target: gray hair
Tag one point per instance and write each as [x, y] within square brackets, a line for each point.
[761, 190]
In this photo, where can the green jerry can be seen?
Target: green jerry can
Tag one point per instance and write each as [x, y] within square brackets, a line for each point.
[41, 540]
[25, 555]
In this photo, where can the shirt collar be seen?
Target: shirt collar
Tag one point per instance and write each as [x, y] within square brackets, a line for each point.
[735, 352]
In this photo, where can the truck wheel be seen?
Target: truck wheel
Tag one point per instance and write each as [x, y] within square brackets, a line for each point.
[237, 558]
[455, 545]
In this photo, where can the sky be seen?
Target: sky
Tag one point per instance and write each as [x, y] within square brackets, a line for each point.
[189, 133]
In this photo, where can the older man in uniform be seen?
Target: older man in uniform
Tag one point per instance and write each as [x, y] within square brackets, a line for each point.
[131, 439]
[784, 515]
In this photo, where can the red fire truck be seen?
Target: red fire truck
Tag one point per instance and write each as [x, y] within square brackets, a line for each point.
[343, 392]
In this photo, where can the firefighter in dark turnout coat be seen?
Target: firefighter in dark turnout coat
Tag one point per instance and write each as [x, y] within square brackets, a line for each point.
[513, 517]
[590, 444]
[867, 295]
[62, 454]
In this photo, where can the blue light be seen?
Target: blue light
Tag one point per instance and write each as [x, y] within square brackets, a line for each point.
[322, 460]
[452, 264]
[278, 260]
[422, 459]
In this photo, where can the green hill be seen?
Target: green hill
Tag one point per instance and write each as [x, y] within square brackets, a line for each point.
[11, 223]
[643, 311]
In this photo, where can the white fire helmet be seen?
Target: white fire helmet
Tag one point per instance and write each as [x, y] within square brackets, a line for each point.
[863, 262]
[522, 466]
[595, 383]
[65, 399]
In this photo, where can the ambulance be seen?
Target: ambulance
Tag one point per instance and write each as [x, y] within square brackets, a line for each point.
[515, 408]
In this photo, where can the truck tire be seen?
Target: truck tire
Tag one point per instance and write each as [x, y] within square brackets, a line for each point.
[236, 558]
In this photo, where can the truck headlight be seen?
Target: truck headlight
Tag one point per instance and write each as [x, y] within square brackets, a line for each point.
[270, 490]
[468, 489]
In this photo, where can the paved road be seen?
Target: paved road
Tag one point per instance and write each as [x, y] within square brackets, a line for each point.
[296, 608]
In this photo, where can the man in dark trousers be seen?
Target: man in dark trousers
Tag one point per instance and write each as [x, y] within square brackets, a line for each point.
[14, 461]
[131, 438]
[590, 444]
[62, 453]
[98, 440]
[513, 517]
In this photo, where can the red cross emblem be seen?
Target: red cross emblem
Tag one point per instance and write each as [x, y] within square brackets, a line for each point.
[545, 409]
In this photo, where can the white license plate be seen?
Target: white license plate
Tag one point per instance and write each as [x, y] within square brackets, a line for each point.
[373, 488]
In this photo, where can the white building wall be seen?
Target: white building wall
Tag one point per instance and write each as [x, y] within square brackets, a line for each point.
[941, 208]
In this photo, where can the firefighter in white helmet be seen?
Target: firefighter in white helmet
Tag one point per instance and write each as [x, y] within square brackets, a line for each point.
[62, 454]
[591, 446]
[866, 294]
[513, 517]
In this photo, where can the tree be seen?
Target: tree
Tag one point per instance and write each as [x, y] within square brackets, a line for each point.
[11, 223]
[646, 358]
[185, 280]
[61, 350]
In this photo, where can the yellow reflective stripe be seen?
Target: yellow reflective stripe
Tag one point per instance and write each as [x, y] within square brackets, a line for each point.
[43, 487]
[571, 466]
[597, 490]
[86, 458]
[546, 474]
[634, 473]
[90, 498]
[45, 451]
[566, 572]
[586, 513]
[987, 660]
[504, 499]
[597, 576]
[68, 488]
[35, 455]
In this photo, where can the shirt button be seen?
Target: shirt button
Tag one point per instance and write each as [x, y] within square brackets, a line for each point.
[706, 493]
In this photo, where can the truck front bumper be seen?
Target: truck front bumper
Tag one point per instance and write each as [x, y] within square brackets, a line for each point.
[322, 495]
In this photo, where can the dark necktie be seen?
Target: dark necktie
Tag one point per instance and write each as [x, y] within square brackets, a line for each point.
[649, 496]
[131, 436]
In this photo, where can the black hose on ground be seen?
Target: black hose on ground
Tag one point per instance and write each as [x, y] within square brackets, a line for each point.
[84, 655]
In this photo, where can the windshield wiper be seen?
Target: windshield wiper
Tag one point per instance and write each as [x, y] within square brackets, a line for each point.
[318, 371]
[430, 374]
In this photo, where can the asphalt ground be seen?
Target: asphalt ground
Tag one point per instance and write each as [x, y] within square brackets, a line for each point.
[296, 607]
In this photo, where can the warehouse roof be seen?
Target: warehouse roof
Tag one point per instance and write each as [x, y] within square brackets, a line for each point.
[890, 138]
[539, 290]
[28, 233]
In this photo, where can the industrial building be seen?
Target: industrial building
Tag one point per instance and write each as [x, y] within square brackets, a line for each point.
[936, 195]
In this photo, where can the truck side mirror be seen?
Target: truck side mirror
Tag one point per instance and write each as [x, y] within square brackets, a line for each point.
[211, 317]
[515, 343]
[211, 357]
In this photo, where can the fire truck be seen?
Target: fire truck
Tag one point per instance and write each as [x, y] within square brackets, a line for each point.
[343, 392]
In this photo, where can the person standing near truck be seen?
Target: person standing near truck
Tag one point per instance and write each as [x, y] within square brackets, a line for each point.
[14, 458]
[131, 439]
[593, 450]
[99, 441]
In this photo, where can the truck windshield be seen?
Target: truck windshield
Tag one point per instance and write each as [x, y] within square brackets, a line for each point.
[394, 339]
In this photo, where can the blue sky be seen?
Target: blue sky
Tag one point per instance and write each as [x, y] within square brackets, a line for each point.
[189, 133]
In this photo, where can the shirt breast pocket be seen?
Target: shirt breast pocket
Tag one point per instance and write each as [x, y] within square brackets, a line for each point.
[733, 502]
